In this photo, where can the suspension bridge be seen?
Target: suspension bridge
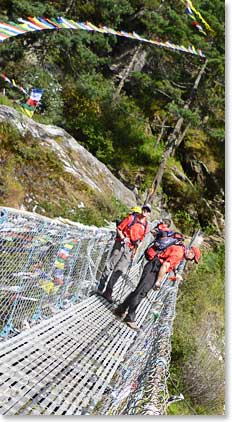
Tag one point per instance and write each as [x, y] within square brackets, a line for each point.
[63, 352]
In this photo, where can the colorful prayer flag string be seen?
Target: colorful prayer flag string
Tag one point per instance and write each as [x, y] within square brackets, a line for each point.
[12, 83]
[190, 10]
[12, 29]
[61, 260]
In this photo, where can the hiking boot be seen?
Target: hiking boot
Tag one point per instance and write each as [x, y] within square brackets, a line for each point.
[118, 313]
[108, 295]
[108, 298]
[99, 292]
[95, 292]
[132, 325]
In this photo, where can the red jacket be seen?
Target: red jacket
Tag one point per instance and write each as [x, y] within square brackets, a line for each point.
[173, 254]
[135, 232]
[163, 227]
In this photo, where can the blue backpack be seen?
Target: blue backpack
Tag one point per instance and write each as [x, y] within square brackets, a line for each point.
[162, 241]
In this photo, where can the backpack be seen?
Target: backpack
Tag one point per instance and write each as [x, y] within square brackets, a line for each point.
[135, 232]
[134, 221]
[162, 241]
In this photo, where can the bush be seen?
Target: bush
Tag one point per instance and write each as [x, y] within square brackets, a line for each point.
[4, 100]
[198, 340]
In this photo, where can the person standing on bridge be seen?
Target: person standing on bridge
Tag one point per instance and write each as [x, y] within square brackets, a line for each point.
[164, 262]
[130, 233]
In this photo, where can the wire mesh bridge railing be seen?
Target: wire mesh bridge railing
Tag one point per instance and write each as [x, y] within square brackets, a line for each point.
[45, 265]
[62, 351]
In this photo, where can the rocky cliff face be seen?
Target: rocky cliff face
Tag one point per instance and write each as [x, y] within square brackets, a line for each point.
[82, 168]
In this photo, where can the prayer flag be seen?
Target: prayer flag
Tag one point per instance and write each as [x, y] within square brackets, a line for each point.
[32, 102]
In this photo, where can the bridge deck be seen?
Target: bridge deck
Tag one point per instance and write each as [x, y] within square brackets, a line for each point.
[63, 365]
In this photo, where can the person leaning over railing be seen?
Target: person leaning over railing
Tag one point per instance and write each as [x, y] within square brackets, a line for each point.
[163, 262]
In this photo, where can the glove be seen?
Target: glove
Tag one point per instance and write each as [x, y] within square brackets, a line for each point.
[126, 240]
[177, 277]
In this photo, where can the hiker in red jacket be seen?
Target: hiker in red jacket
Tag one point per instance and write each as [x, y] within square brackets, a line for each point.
[163, 226]
[130, 232]
[153, 273]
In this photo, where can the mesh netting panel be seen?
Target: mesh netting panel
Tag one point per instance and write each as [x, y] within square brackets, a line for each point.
[45, 265]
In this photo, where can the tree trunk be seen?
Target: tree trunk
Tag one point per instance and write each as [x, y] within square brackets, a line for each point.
[173, 141]
[69, 6]
[160, 134]
[181, 137]
[127, 71]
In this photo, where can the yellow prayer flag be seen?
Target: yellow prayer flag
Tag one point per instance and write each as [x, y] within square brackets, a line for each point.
[47, 286]
[59, 265]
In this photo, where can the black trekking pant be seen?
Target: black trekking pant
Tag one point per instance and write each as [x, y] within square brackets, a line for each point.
[146, 283]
